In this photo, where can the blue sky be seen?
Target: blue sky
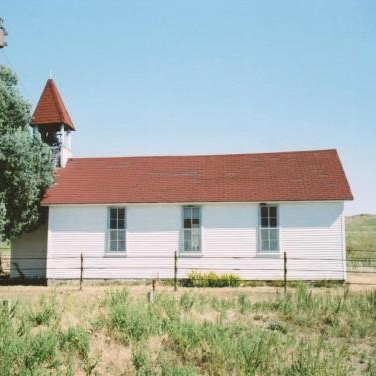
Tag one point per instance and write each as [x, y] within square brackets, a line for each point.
[207, 77]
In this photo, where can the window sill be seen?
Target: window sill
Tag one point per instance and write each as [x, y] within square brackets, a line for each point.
[115, 254]
[190, 254]
[276, 254]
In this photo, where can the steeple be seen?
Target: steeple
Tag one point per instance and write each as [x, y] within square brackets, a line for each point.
[52, 121]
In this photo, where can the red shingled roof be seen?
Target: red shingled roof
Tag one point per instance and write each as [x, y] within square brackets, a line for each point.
[289, 176]
[50, 109]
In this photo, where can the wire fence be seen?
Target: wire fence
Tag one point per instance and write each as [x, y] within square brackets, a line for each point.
[177, 267]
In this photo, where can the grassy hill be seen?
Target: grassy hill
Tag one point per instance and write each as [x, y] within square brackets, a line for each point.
[361, 239]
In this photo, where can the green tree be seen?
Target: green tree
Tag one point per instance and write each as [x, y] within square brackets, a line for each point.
[26, 168]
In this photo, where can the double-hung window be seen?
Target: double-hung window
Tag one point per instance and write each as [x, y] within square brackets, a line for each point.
[191, 229]
[269, 230]
[117, 225]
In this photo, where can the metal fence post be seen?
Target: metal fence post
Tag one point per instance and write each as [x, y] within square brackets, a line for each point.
[285, 271]
[176, 271]
[81, 270]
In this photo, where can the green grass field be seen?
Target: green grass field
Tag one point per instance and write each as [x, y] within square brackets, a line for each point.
[361, 240]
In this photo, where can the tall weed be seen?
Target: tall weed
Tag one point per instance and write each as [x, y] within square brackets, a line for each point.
[46, 312]
[75, 340]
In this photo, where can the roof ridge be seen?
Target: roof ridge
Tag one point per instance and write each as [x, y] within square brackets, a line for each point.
[55, 95]
[207, 155]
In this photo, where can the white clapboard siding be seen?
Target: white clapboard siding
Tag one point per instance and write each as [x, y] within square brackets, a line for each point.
[310, 234]
[29, 252]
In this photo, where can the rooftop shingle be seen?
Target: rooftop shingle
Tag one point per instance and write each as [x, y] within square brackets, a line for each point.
[50, 109]
[284, 176]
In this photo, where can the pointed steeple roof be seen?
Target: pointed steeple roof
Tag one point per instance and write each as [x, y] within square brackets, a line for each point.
[50, 109]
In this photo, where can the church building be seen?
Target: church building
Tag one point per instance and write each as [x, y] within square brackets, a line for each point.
[131, 217]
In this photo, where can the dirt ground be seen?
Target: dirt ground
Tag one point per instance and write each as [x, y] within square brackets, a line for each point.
[357, 282]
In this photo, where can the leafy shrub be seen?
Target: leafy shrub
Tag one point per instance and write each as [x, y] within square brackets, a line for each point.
[186, 301]
[141, 359]
[40, 349]
[21, 352]
[46, 312]
[117, 297]
[211, 279]
[132, 322]
[75, 339]
[243, 303]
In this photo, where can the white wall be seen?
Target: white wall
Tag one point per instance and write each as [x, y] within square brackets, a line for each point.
[314, 233]
[65, 154]
[310, 234]
[29, 253]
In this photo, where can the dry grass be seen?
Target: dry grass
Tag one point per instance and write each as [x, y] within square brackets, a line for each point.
[253, 309]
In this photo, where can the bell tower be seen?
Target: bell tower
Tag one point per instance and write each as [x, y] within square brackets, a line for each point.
[53, 123]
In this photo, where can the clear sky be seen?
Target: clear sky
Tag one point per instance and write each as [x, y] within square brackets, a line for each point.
[207, 77]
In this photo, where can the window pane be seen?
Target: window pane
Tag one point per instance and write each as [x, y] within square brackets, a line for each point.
[195, 243]
[121, 224]
[273, 222]
[121, 213]
[187, 234]
[187, 240]
[113, 213]
[273, 234]
[273, 211]
[195, 232]
[121, 246]
[113, 246]
[121, 235]
[264, 211]
[187, 245]
[195, 222]
[264, 235]
[187, 213]
[273, 246]
[191, 240]
[187, 223]
[264, 222]
[265, 245]
[196, 213]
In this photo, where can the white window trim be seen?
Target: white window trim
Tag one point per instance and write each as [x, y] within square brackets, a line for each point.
[268, 253]
[190, 253]
[108, 252]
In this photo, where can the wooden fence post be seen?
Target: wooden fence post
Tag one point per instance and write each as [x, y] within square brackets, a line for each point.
[285, 271]
[176, 272]
[81, 270]
[1, 266]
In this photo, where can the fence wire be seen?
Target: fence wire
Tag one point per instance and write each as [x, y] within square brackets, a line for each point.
[177, 265]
